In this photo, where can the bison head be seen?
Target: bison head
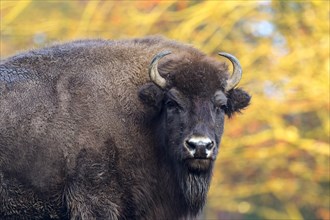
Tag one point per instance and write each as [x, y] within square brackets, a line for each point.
[190, 95]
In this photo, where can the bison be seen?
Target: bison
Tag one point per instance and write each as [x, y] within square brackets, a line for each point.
[101, 129]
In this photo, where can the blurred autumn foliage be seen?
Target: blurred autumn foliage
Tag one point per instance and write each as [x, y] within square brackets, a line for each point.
[274, 159]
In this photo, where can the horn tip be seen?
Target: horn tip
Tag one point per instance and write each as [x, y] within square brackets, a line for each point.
[230, 57]
[224, 54]
[160, 55]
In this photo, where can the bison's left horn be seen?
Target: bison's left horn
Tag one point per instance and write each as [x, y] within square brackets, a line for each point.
[153, 70]
[237, 71]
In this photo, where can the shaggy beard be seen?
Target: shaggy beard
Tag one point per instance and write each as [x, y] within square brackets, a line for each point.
[195, 187]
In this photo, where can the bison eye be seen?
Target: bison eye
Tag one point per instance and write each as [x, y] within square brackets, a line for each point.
[171, 104]
[224, 107]
[220, 108]
[220, 101]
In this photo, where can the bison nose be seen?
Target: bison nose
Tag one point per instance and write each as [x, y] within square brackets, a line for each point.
[200, 146]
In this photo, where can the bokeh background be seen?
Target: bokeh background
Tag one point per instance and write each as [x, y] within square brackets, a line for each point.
[274, 159]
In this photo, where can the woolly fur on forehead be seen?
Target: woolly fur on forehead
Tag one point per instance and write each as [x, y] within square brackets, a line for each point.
[195, 74]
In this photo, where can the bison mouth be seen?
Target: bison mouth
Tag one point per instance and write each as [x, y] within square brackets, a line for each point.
[198, 165]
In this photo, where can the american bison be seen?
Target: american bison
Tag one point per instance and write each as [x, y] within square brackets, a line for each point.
[100, 129]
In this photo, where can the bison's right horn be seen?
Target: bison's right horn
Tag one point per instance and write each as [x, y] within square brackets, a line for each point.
[153, 70]
[237, 71]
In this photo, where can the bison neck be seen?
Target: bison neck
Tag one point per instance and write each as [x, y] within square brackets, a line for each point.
[183, 192]
[194, 187]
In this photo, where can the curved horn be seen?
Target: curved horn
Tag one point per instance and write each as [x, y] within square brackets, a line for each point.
[237, 71]
[153, 69]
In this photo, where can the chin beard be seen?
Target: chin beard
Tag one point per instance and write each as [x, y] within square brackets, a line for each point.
[194, 185]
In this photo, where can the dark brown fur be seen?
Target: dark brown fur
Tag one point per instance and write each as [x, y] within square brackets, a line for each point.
[76, 142]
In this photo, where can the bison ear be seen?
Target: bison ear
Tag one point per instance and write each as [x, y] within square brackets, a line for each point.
[238, 99]
[151, 95]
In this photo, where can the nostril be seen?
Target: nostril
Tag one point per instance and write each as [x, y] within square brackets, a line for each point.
[209, 145]
[199, 143]
[191, 145]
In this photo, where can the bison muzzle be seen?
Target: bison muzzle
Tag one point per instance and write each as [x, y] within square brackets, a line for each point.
[99, 129]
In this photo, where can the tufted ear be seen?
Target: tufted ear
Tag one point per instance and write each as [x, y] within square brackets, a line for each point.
[238, 99]
[151, 95]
